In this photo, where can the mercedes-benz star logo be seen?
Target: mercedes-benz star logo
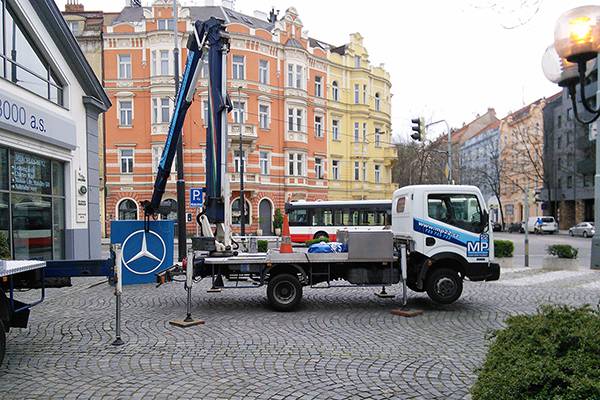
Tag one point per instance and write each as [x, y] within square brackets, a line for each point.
[133, 260]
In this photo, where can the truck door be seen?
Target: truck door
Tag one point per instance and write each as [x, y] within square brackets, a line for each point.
[455, 223]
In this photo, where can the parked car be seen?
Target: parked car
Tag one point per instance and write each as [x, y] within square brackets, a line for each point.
[585, 229]
[542, 224]
[496, 227]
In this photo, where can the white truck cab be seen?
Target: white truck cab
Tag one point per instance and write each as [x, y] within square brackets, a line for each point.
[451, 237]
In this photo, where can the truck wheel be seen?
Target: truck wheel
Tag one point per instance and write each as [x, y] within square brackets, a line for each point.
[284, 292]
[2, 341]
[444, 286]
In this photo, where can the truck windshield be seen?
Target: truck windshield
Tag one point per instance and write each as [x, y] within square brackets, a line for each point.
[460, 210]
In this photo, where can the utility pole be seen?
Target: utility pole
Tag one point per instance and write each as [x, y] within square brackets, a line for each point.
[181, 222]
[526, 203]
[595, 258]
[242, 199]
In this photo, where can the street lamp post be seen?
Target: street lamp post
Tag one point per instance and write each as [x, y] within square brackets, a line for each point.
[242, 198]
[567, 62]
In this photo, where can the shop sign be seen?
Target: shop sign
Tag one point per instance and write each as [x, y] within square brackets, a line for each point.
[26, 119]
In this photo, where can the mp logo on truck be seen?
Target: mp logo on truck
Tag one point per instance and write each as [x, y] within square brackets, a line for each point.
[144, 253]
[476, 245]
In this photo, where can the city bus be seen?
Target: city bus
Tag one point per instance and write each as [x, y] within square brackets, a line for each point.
[313, 219]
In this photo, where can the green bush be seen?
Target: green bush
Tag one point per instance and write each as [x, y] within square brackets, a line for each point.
[277, 219]
[563, 251]
[503, 248]
[317, 240]
[263, 246]
[4, 249]
[553, 354]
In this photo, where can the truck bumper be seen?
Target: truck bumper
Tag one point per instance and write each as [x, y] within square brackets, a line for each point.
[483, 271]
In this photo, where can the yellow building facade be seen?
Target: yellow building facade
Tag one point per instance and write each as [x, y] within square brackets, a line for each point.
[360, 150]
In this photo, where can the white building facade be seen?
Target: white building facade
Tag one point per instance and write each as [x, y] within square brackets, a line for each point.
[50, 101]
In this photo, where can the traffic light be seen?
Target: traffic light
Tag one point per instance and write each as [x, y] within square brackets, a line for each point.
[418, 129]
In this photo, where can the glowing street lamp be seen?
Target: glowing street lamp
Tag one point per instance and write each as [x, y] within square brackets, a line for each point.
[567, 63]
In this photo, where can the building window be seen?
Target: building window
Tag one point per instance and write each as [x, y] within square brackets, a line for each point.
[22, 63]
[125, 112]
[263, 116]
[236, 160]
[377, 102]
[296, 164]
[377, 173]
[587, 180]
[239, 108]
[164, 109]
[559, 142]
[156, 156]
[295, 76]
[364, 132]
[377, 137]
[335, 94]
[318, 86]
[164, 62]
[295, 119]
[318, 126]
[127, 210]
[356, 132]
[236, 213]
[238, 67]
[73, 27]
[263, 72]
[559, 183]
[335, 129]
[356, 170]
[263, 161]
[318, 168]
[356, 93]
[165, 24]
[364, 94]
[205, 111]
[569, 114]
[569, 181]
[124, 61]
[364, 171]
[357, 61]
[126, 161]
[335, 169]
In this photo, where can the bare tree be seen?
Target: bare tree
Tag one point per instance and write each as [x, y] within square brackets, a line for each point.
[419, 163]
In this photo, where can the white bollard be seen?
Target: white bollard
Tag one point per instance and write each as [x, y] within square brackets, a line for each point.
[118, 291]
[403, 267]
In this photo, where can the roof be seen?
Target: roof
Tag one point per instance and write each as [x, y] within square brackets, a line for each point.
[293, 43]
[130, 14]
[341, 50]
[55, 24]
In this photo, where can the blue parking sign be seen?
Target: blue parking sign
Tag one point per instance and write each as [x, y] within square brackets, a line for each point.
[196, 197]
[144, 253]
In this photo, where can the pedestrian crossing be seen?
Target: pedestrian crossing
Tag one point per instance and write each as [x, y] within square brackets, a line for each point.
[583, 279]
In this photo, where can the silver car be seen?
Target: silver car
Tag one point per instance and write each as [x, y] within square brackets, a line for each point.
[585, 229]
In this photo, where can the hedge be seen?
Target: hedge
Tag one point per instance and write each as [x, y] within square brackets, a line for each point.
[317, 240]
[554, 354]
[563, 251]
[263, 246]
[4, 249]
[503, 248]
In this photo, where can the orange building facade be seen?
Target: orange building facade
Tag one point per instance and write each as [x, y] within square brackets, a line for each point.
[277, 83]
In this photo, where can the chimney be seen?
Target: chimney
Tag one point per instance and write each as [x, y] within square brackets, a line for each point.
[73, 6]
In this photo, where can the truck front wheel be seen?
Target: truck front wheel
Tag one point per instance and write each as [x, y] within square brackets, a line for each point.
[284, 292]
[2, 341]
[444, 286]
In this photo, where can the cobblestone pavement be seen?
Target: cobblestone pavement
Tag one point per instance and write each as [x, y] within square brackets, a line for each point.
[342, 343]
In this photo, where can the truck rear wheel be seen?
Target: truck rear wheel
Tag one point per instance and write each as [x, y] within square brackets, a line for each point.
[444, 286]
[2, 341]
[284, 292]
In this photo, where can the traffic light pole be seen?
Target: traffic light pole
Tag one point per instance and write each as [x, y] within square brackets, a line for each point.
[449, 146]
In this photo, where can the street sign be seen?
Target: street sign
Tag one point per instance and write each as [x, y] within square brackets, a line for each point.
[189, 217]
[196, 197]
[143, 254]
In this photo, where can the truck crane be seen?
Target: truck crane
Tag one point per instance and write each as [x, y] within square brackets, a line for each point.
[440, 233]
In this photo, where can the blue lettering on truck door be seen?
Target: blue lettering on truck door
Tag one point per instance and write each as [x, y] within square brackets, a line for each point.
[476, 245]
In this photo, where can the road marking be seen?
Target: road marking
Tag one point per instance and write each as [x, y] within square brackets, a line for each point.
[508, 270]
[541, 278]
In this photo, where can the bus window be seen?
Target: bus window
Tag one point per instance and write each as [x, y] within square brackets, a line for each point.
[327, 218]
[367, 218]
[354, 218]
[298, 217]
[338, 217]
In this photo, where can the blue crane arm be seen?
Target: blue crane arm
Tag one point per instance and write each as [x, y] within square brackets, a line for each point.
[183, 101]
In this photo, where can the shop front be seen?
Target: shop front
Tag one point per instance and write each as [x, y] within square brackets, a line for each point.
[49, 106]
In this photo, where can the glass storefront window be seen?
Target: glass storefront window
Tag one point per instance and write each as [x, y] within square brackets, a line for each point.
[127, 209]
[31, 227]
[32, 206]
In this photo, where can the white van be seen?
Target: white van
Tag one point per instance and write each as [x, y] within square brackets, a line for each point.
[542, 224]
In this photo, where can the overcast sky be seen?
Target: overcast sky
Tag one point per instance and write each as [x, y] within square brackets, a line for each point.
[447, 59]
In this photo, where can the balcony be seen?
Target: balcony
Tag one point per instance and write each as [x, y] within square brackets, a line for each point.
[249, 134]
